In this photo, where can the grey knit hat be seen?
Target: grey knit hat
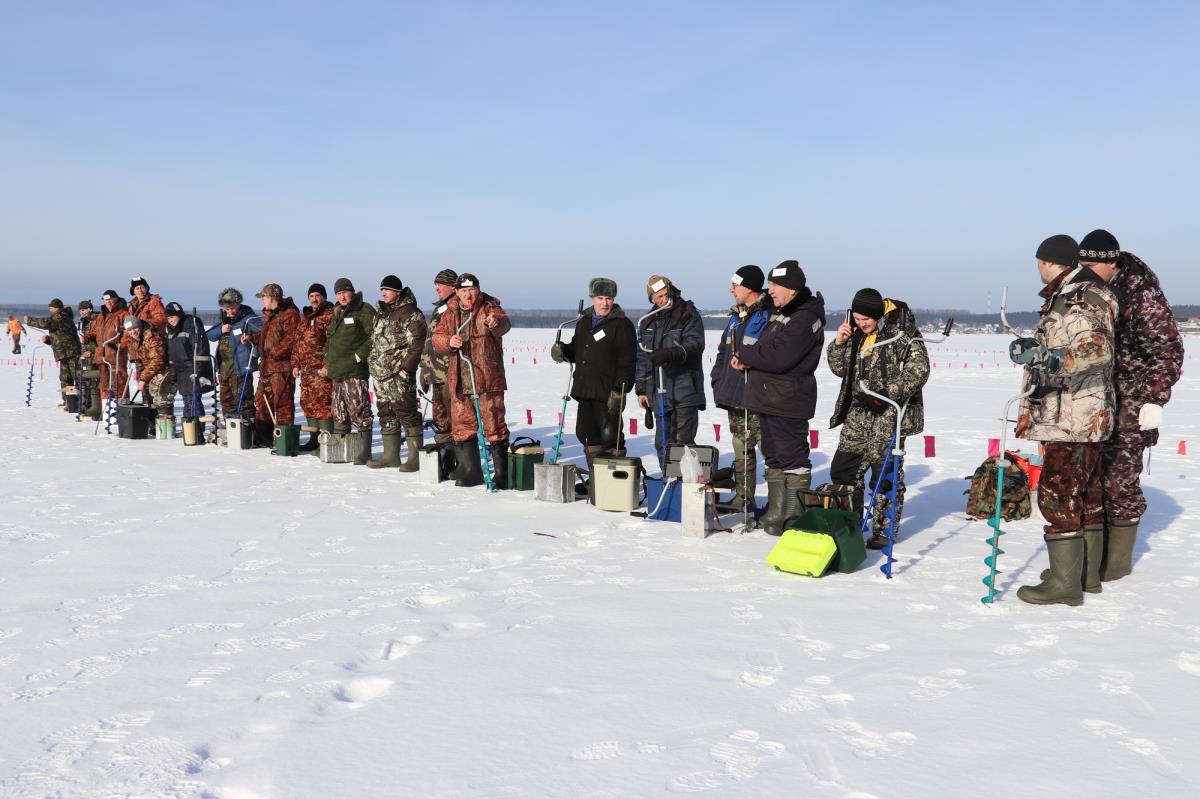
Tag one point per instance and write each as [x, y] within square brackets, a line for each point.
[229, 297]
[446, 277]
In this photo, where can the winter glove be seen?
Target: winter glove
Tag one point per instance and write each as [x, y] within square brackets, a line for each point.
[649, 420]
[663, 355]
[556, 352]
[1150, 416]
[616, 404]
[1032, 353]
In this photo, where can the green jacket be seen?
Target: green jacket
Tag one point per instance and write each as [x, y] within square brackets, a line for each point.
[64, 337]
[348, 346]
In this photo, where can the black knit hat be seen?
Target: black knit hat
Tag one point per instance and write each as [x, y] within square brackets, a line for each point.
[1099, 245]
[868, 302]
[110, 294]
[1061, 249]
[748, 277]
[342, 284]
[391, 282]
[174, 309]
[789, 275]
[446, 277]
[86, 304]
[466, 280]
[318, 288]
[55, 303]
[138, 281]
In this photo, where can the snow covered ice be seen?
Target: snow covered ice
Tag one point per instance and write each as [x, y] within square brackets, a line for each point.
[195, 622]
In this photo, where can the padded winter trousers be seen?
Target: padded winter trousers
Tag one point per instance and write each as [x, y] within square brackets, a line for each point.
[1122, 481]
[1071, 492]
[491, 408]
[316, 395]
[278, 391]
[851, 468]
[352, 403]
[396, 401]
[784, 442]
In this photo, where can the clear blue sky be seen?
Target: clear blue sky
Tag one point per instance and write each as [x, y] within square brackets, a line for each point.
[922, 148]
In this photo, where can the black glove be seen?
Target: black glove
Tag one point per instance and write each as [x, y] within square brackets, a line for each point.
[556, 352]
[649, 419]
[663, 355]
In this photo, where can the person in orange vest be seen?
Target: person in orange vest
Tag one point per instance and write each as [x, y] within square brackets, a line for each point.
[15, 329]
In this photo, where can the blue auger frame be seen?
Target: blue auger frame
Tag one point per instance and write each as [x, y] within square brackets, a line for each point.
[660, 435]
[992, 561]
[485, 452]
[893, 460]
[562, 415]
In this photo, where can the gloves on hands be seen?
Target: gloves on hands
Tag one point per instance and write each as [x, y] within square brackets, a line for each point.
[663, 355]
[1032, 353]
[557, 353]
[1150, 417]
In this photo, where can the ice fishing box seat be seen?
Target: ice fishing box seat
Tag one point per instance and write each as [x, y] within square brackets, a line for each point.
[707, 455]
[336, 447]
[239, 434]
[286, 438]
[615, 482]
[663, 500]
[803, 552]
[523, 455]
[433, 462]
[134, 421]
[841, 527]
[193, 431]
[554, 482]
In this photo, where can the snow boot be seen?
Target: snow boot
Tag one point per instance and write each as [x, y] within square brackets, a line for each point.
[391, 452]
[1118, 560]
[773, 518]
[448, 467]
[500, 465]
[1064, 584]
[470, 471]
[1093, 556]
[584, 488]
[314, 438]
[793, 485]
[361, 447]
[416, 440]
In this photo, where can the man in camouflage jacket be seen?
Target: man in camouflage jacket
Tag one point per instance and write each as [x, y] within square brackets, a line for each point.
[434, 364]
[63, 339]
[397, 339]
[308, 363]
[146, 306]
[275, 399]
[898, 371]
[1070, 408]
[1149, 357]
[147, 348]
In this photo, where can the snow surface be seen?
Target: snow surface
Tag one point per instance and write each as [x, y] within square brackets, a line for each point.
[200, 622]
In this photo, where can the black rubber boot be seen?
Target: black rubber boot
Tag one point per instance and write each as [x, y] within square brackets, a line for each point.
[500, 465]
[264, 434]
[314, 438]
[391, 452]
[772, 519]
[1064, 584]
[416, 440]
[1118, 554]
[449, 463]
[793, 485]
[470, 471]
[584, 489]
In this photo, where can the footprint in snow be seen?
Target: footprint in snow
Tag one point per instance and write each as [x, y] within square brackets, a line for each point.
[764, 669]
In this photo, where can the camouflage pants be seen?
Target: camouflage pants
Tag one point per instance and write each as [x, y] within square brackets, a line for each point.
[745, 442]
[160, 392]
[851, 468]
[1071, 493]
[491, 408]
[396, 401]
[316, 395]
[1122, 481]
[66, 372]
[275, 398]
[352, 404]
[113, 382]
[440, 399]
[231, 392]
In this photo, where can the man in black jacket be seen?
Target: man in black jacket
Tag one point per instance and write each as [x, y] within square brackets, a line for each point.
[187, 355]
[781, 387]
[604, 351]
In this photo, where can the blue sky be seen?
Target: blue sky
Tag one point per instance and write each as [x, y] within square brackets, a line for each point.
[921, 148]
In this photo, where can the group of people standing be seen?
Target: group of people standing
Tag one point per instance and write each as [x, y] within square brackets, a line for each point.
[1099, 368]
[1098, 371]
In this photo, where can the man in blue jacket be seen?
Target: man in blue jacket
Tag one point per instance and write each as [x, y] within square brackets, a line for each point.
[187, 355]
[675, 340]
[236, 359]
[781, 387]
[747, 320]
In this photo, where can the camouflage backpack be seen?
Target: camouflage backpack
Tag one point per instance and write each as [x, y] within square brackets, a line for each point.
[981, 496]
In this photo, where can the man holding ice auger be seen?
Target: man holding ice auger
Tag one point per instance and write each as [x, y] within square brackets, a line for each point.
[64, 341]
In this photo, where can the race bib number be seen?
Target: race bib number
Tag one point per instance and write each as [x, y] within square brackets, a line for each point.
[347, 321]
[599, 335]
[237, 332]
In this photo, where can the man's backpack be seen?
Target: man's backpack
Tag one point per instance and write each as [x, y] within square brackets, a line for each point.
[981, 496]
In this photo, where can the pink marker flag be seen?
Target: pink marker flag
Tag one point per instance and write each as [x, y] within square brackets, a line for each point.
[528, 416]
[993, 448]
[814, 439]
[930, 449]
[717, 430]
[1182, 447]
[632, 426]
